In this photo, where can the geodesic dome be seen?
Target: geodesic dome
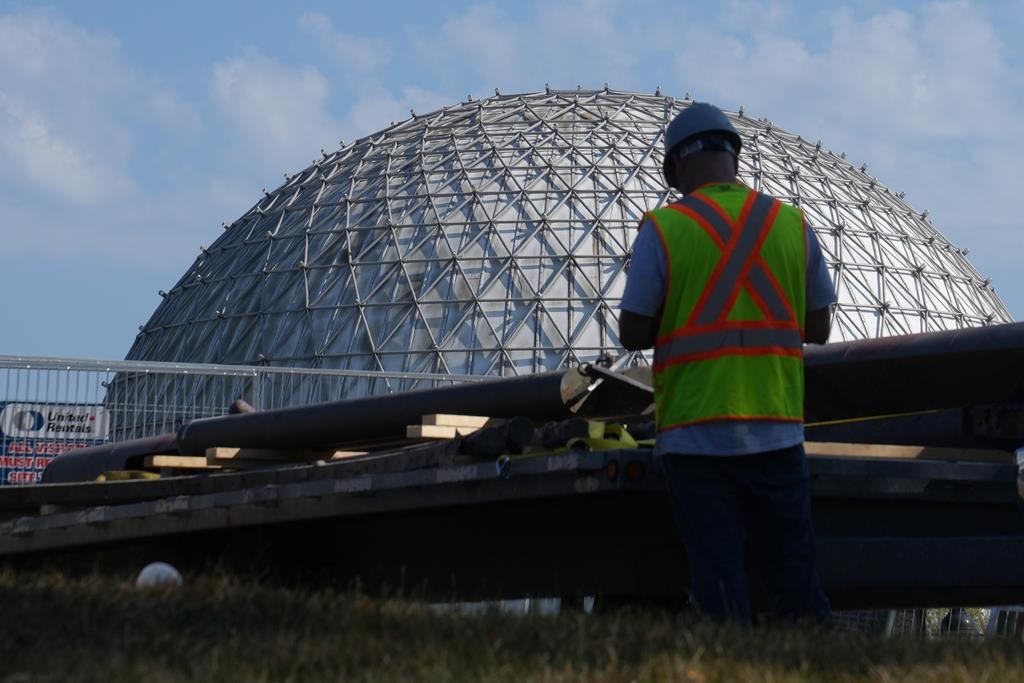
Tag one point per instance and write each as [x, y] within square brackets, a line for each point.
[492, 237]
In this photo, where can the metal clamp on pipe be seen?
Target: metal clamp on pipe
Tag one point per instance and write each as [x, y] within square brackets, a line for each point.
[1020, 476]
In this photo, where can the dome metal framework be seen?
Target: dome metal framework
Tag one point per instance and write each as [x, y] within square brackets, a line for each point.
[492, 238]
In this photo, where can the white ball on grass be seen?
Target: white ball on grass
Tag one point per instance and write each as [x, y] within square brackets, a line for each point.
[158, 574]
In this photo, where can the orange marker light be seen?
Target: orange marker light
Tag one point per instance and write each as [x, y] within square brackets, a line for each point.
[612, 469]
[636, 470]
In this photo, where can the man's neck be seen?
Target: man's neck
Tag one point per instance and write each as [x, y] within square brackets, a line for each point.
[712, 180]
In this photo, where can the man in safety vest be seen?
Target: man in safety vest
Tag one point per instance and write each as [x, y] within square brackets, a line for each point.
[726, 285]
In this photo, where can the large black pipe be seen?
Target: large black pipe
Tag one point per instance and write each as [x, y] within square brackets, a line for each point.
[543, 396]
[931, 371]
[539, 397]
[847, 380]
[943, 428]
[86, 464]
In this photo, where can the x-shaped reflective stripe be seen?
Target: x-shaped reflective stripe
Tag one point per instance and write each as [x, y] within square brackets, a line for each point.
[707, 333]
[752, 228]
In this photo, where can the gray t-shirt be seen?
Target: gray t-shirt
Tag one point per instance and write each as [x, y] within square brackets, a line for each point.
[644, 295]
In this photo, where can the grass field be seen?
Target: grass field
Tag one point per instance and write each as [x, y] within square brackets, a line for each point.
[222, 629]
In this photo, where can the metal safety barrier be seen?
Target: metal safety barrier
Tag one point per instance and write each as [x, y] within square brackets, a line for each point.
[49, 406]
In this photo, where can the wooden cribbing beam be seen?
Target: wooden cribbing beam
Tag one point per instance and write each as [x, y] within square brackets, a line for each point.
[869, 450]
[471, 421]
[482, 437]
[437, 431]
[181, 462]
[222, 453]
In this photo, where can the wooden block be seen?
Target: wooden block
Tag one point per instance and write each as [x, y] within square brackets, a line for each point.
[241, 464]
[436, 431]
[443, 420]
[344, 455]
[221, 453]
[868, 450]
[184, 462]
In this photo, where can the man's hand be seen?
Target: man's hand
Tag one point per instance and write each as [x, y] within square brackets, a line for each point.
[637, 332]
[817, 325]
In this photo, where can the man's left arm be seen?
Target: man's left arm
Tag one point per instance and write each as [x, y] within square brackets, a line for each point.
[821, 294]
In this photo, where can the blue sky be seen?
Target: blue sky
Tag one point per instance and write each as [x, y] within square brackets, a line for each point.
[129, 131]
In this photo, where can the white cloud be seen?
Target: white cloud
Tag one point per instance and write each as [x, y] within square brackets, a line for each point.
[356, 59]
[585, 42]
[892, 73]
[44, 53]
[35, 152]
[492, 38]
[356, 55]
[375, 109]
[889, 88]
[279, 114]
[174, 114]
[58, 88]
[72, 109]
[758, 15]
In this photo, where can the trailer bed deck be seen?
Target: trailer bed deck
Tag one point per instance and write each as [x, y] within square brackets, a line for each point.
[891, 532]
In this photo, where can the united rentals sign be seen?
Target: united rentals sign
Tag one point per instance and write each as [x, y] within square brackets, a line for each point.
[32, 434]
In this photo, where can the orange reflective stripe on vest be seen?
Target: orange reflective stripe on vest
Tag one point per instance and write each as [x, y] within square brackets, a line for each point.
[721, 342]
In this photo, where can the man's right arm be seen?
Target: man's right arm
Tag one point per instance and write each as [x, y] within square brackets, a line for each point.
[637, 332]
[644, 294]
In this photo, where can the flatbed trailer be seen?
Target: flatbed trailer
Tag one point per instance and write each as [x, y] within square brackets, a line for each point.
[891, 532]
[894, 528]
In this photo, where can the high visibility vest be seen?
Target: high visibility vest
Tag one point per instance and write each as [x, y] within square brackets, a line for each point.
[730, 344]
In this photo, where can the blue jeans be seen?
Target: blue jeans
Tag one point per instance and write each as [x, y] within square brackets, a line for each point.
[764, 498]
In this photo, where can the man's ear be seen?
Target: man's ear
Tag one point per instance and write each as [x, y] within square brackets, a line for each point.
[678, 165]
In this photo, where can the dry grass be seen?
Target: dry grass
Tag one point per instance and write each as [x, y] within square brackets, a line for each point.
[222, 629]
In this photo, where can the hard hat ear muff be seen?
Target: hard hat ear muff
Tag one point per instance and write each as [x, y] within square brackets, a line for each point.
[668, 170]
[716, 141]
